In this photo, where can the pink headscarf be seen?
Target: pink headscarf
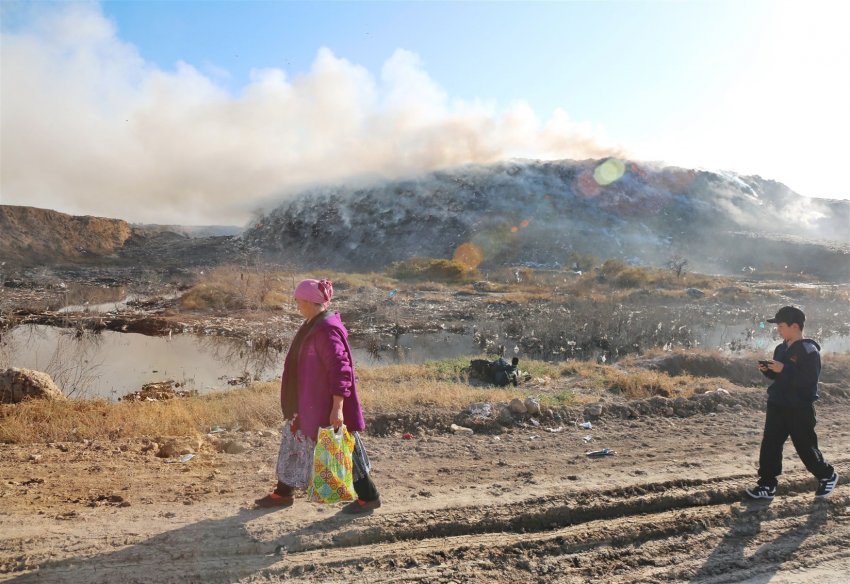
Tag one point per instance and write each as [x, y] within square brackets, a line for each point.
[315, 291]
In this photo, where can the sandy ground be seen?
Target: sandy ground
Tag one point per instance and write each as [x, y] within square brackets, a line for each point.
[526, 505]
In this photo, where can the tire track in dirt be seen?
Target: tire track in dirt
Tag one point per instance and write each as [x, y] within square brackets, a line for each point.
[661, 530]
[688, 530]
[542, 514]
[681, 544]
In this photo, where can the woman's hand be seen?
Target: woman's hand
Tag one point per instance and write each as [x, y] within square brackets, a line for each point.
[335, 419]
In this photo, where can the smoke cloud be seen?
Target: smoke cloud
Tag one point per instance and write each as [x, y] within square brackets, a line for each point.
[90, 127]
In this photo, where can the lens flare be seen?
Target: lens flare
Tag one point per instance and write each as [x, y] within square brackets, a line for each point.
[514, 229]
[469, 255]
[609, 171]
[587, 186]
[524, 223]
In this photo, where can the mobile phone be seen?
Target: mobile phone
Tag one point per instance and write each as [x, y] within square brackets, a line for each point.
[765, 363]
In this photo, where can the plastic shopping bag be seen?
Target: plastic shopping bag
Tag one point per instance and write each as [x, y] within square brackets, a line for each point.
[333, 472]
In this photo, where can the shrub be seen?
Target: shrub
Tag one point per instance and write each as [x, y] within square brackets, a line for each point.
[632, 278]
[436, 269]
[611, 268]
[238, 287]
[211, 297]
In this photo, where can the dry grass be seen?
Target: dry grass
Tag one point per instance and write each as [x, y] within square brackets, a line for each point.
[72, 420]
[639, 383]
[431, 269]
[233, 287]
[438, 384]
[521, 297]
[351, 280]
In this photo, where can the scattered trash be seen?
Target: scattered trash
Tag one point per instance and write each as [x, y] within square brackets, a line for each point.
[722, 391]
[555, 430]
[216, 430]
[600, 453]
[588, 438]
[534, 437]
[183, 458]
[407, 436]
[496, 439]
[461, 429]
[534, 422]
[586, 426]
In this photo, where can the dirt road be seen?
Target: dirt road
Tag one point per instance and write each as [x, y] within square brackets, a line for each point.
[526, 505]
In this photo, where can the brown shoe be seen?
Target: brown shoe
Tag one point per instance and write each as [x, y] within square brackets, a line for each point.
[360, 506]
[274, 500]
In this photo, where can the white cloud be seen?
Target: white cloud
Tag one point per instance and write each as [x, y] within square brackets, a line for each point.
[89, 127]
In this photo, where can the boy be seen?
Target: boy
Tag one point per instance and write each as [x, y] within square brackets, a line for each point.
[794, 369]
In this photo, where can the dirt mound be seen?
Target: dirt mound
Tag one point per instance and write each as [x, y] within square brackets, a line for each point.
[158, 391]
[37, 237]
[29, 236]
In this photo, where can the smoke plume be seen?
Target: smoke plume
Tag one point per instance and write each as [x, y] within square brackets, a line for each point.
[90, 127]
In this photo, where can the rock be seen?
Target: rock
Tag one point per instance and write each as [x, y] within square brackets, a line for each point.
[695, 293]
[505, 417]
[461, 429]
[482, 410]
[517, 406]
[168, 450]
[18, 384]
[532, 405]
[174, 447]
[231, 447]
[593, 411]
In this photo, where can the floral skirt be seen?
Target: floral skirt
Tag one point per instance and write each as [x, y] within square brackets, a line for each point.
[295, 459]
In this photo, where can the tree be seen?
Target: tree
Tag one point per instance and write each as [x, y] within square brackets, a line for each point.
[678, 265]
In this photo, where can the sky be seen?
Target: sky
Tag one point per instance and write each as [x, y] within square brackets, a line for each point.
[203, 112]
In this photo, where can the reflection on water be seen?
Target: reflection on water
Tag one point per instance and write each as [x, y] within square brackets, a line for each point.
[763, 337]
[73, 358]
[111, 364]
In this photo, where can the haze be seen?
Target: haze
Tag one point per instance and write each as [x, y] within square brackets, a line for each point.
[194, 112]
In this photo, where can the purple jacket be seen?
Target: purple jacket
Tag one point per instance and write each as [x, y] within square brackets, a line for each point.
[325, 369]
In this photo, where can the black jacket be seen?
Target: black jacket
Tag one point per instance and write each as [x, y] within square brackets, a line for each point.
[797, 383]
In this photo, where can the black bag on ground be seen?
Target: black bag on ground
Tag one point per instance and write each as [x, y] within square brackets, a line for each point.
[498, 372]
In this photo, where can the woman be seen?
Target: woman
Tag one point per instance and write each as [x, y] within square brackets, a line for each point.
[318, 389]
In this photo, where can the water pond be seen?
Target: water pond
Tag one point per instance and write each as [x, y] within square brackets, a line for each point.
[112, 364]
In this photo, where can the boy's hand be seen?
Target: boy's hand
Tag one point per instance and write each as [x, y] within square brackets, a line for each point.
[776, 366]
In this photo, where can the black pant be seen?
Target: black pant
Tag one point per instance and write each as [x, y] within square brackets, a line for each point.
[364, 488]
[799, 423]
